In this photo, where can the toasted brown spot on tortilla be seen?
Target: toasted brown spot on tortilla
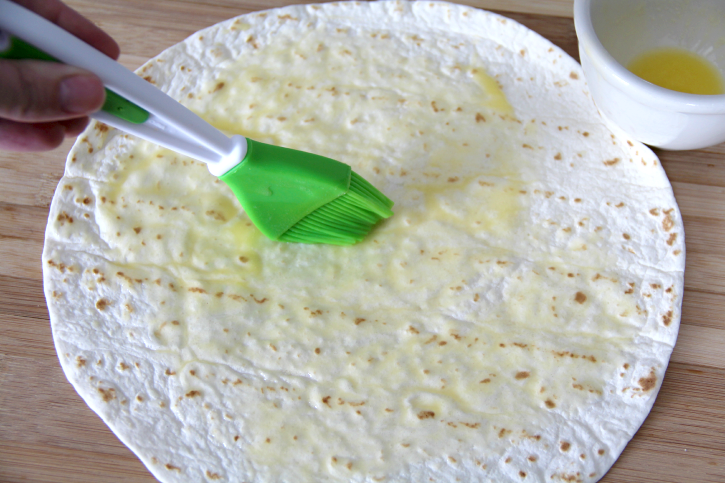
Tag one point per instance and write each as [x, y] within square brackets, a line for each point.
[64, 217]
[580, 297]
[611, 162]
[317, 350]
[218, 87]
[326, 400]
[480, 118]
[107, 394]
[550, 404]
[171, 467]
[626, 236]
[426, 415]
[522, 474]
[600, 452]
[359, 321]
[667, 318]
[485, 381]
[568, 477]
[193, 393]
[532, 458]
[667, 222]
[80, 362]
[258, 301]
[101, 304]
[197, 290]
[671, 239]
[648, 383]
[216, 215]
[573, 75]
[522, 375]
[212, 476]
[565, 446]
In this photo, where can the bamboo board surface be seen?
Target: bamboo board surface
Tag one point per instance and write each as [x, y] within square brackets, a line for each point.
[48, 434]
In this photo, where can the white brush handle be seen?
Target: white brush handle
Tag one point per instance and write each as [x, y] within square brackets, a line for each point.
[170, 124]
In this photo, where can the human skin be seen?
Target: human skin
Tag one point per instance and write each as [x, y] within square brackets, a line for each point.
[43, 102]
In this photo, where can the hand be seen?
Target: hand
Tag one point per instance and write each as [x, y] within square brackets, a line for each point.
[42, 102]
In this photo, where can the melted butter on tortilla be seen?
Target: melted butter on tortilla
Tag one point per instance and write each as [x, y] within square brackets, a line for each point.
[495, 97]
[436, 334]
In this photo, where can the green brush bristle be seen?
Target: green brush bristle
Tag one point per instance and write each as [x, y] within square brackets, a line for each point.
[345, 220]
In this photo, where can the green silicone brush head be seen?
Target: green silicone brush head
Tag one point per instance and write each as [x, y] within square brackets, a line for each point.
[300, 197]
[346, 220]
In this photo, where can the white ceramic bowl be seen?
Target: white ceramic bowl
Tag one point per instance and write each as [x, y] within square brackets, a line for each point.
[612, 32]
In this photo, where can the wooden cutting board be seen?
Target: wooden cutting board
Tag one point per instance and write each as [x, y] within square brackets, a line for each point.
[48, 434]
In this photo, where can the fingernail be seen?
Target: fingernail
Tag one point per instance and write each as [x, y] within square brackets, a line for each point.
[80, 94]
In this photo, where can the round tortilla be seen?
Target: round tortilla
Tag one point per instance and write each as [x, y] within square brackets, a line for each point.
[512, 322]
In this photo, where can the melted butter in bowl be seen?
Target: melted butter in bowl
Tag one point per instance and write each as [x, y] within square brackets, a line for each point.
[679, 70]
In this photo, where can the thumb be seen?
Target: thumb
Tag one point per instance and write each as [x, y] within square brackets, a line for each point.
[37, 91]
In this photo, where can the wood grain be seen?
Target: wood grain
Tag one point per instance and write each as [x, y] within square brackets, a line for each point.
[48, 434]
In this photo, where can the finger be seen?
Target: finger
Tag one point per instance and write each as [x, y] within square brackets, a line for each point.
[36, 91]
[75, 23]
[18, 136]
[73, 127]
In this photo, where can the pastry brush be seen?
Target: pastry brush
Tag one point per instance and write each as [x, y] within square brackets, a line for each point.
[290, 195]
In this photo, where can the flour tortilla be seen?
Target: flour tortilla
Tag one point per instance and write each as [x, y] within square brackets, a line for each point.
[512, 322]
